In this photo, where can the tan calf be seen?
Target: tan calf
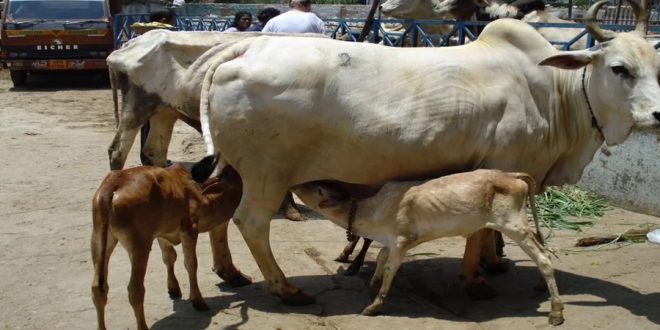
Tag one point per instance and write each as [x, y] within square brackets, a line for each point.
[404, 214]
[136, 206]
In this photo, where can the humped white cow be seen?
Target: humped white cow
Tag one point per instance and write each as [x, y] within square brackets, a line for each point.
[283, 120]
[530, 11]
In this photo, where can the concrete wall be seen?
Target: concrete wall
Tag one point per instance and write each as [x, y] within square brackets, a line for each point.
[630, 176]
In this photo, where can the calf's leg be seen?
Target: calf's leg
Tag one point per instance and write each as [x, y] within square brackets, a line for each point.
[138, 251]
[346, 252]
[100, 281]
[527, 241]
[389, 270]
[357, 263]
[223, 265]
[169, 258]
[189, 244]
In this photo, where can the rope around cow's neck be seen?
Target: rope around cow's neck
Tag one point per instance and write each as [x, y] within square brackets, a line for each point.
[594, 121]
[351, 218]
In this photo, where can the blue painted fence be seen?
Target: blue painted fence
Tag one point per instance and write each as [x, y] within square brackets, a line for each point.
[414, 35]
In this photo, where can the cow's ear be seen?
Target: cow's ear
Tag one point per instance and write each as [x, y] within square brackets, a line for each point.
[570, 60]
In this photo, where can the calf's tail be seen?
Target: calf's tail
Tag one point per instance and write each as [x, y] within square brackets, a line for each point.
[102, 212]
[531, 188]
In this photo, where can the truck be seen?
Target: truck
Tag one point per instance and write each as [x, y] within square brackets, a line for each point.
[55, 35]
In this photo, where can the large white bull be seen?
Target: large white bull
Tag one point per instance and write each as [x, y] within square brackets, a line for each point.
[365, 114]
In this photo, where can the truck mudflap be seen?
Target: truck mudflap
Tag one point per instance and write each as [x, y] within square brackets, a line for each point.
[55, 64]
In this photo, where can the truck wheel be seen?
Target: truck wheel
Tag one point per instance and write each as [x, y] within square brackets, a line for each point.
[19, 78]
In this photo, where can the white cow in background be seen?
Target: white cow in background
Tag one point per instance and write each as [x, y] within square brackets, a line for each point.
[282, 120]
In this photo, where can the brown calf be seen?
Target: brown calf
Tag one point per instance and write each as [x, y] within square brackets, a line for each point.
[136, 206]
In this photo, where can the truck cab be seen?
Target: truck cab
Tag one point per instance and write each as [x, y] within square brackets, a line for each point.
[47, 35]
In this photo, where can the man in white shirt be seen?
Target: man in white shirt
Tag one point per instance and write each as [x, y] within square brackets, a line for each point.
[299, 19]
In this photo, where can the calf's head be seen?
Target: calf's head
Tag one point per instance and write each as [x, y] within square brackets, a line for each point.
[622, 81]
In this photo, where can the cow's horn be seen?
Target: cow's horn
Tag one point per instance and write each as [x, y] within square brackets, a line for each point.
[640, 16]
[592, 25]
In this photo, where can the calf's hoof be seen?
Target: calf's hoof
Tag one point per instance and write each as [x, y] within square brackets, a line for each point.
[293, 214]
[353, 269]
[175, 293]
[298, 299]
[480, 291]
[371, 310]
[342, 258]
[556, 318]
[497, 268]
[200, 305]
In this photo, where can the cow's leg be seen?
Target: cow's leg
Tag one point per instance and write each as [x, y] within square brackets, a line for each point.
[260, 200]
[121, 145]
[493, 263]
[357, 263]
[476, 286]
[169, 258]
[525, 238]
[222, 261]
[138, 251]
[189, 244]
[389, 270]
[160, 134]
[100, 287]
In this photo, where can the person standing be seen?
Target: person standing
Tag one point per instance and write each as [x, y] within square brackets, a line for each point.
[299, 19]
[263, 17]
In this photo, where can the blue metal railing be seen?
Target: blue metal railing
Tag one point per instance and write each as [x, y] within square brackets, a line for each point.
[414, 33]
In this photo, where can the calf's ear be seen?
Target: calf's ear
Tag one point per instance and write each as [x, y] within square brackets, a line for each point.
[570, 60]
[204, 168]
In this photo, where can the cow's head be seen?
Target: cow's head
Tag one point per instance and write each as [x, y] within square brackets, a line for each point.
[429, 9]
[622, 81]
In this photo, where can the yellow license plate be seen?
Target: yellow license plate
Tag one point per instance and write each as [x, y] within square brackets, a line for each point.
[57, 64]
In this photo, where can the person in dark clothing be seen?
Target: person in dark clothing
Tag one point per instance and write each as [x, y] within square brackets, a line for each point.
[263, 17]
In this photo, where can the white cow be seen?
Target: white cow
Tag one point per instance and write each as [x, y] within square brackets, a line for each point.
[405, 214]
[365, 114]
[530, 11]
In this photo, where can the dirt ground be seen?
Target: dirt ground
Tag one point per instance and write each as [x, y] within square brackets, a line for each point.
[53, 156]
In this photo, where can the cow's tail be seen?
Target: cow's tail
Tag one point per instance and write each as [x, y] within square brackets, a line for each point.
[115, 98]
[101, 212]
[229, 54]
[531, 189]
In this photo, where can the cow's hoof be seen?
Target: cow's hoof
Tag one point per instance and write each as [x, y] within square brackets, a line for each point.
[239, 280]
[481, 291]
[235, 279]
[174, 293]
[556, 318]
[371, 310]
[298, 299]
[498, 268]
[293, 214]
[200, 305]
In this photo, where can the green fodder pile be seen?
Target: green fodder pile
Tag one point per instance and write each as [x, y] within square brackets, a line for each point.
[560, 207]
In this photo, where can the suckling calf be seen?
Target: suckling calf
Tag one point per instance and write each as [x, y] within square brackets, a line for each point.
[404, 214]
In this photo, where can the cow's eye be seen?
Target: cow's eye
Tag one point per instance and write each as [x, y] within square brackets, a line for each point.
[621, 70]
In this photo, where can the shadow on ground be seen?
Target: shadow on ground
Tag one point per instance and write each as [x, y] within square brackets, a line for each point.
[423, 288]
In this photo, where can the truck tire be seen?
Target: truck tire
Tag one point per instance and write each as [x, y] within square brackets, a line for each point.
[19, 78]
